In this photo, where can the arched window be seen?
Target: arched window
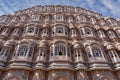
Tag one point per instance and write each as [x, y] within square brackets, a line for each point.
[3, 19]
[4, 51]
[87, 31]
[96, 52]
[30, 30]
[5, 32]
[70, 19]
[14, 19]
[16, 31]
[60, 50]
[47, 18]
[81, 19]
[102, 22]
[59, 30]
[111, 34]
[36, 17]
[73, 32]
[23, 50]
[45, 31]
[112, 22]
[58, 9]
[23, 18]
[101, 34]
[41, 52]
[118, 33]
[48, 9]
[113, 53]
[38, 9]
[93, 20]
[77, 53]
[59, 17]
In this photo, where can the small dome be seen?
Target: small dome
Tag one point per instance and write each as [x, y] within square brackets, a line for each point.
[110, 47]
[43, 43]
[74, 42]
[71, 25]
[76, 46]
[45, 25]
[97, 27]
[106, 43]
[86, 44]
[9, 43]
[117, 45]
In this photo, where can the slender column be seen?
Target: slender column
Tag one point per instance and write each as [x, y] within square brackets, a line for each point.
[66, 47]
[34, 30]
[64, 30]
[115, 53]
[77, 54]
[17, 49]
[53, 51]
[91, 51]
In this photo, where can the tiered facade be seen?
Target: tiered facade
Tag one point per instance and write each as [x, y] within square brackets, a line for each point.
[59, 43]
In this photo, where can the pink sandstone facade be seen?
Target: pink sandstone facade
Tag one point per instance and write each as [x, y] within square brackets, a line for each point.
[59, 43]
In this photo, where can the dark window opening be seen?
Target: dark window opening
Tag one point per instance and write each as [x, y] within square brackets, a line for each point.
[59, 31]
[51, 54]
[89, 55]
[40, 54]
[29, 55]
[30, 31]
[60, 53]
[88, 32]
[75, 55]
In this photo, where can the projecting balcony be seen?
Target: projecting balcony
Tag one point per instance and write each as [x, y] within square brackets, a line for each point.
[114, 39]
[59, 35]
[115, 60]
[103, 38]
[39, 63]
[20, 63]
[21, 58]
[98, 63]
[45, 35]
[96, 59]
[30, 35]
[78, 59]
[15, 36]
[40, 59]
[60, 58]
[3, 58]
[74, 36]
[4, 35]
[59, 21]
[60, 65]
[88, 37]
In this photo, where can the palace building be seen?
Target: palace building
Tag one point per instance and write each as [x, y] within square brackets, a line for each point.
[56, 42]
